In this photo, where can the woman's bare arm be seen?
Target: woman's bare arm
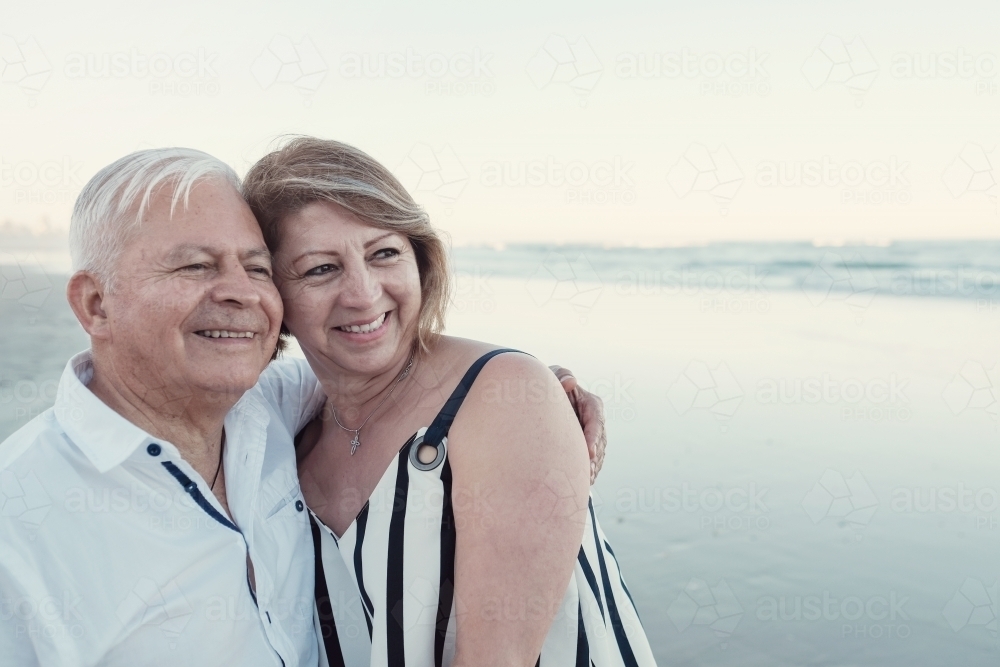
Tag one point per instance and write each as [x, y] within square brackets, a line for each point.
[520, 495]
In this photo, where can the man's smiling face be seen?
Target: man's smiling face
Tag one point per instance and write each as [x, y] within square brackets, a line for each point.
[193, 305]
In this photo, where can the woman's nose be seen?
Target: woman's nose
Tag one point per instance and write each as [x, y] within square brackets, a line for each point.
[361, 289]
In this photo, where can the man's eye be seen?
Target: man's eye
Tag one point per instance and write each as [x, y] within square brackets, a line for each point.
[386, 253]
[320, 270]
[261, 271]
[194, 267]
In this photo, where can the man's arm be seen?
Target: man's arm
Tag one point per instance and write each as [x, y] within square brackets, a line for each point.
[291, 387]
[589, 410]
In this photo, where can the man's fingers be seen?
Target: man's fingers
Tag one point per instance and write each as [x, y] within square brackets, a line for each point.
[566, 378]
[591, 410]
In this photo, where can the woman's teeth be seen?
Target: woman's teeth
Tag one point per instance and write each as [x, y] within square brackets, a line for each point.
[225, 334]
[365, 328]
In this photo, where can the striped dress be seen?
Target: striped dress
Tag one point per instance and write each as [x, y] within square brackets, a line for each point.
[384, 593]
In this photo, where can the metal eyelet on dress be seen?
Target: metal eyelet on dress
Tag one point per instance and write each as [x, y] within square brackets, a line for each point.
[441, 447]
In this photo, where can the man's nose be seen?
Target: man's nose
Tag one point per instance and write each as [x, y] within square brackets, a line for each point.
[235, 286]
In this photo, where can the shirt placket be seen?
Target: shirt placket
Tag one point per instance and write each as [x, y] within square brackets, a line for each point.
[243, 471]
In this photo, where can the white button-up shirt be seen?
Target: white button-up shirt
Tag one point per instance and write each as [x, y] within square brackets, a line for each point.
[114, 551]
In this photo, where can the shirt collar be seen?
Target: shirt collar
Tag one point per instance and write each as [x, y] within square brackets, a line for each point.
[103, 435]
[108, 439]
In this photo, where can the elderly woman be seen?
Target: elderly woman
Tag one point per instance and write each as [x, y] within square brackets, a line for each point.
[449, 475]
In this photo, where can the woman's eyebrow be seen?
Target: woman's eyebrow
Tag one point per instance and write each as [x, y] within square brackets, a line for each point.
[378, 238]
[328, 253]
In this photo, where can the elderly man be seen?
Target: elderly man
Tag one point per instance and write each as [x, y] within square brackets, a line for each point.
[176, 532]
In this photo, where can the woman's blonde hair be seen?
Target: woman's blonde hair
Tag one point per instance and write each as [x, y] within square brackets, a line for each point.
[307, 170]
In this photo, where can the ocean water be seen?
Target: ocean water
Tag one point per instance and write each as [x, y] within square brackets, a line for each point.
[804, 452]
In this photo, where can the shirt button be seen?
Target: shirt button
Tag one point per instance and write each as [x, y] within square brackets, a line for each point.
[299, 506]
[154, 449]
[190, 486]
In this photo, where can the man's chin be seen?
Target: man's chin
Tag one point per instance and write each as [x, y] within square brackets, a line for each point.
[223, 381]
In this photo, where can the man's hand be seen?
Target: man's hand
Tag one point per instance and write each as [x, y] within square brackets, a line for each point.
[589, 409]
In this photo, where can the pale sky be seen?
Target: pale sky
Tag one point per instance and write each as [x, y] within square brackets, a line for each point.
[645, 123]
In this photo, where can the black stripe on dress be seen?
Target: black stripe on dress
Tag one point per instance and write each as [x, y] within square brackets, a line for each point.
[369, 609]
[394, 647]
[588, 572]
[582, 645]
[621, 579]
[446, 584]
[324, 607]
[624, 647]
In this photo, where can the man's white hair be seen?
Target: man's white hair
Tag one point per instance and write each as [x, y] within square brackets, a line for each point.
[110, 207]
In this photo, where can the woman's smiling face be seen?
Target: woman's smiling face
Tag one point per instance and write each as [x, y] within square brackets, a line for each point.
[351, 291]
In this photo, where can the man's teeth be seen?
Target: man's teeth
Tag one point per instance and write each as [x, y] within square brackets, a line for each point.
[365, 328]
[217, 333]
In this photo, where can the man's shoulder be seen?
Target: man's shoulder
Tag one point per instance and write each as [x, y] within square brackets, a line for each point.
[32, 441]
[287, 370]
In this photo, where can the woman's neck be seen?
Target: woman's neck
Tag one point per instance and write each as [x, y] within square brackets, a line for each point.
[354, 395]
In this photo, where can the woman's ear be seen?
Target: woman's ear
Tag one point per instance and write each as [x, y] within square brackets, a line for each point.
[85, 293]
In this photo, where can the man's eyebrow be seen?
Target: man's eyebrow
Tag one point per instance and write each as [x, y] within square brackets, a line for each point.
[186, 250]
[258, 252]
[189, 249]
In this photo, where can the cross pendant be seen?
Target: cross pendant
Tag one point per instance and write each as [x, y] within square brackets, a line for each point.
[354, 444]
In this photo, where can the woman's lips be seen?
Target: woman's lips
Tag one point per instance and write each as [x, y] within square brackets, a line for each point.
[366, 332]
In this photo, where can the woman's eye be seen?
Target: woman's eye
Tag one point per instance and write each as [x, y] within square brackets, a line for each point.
[193, 267]
[385, 253]
[320, 270]
[261, 271]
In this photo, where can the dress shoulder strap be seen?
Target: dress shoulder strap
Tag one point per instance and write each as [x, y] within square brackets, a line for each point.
[442, 423]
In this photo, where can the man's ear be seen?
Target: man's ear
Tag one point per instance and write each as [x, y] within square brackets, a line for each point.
[85, 293]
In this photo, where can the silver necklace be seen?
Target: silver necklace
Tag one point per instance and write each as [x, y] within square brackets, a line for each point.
[356, 440]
